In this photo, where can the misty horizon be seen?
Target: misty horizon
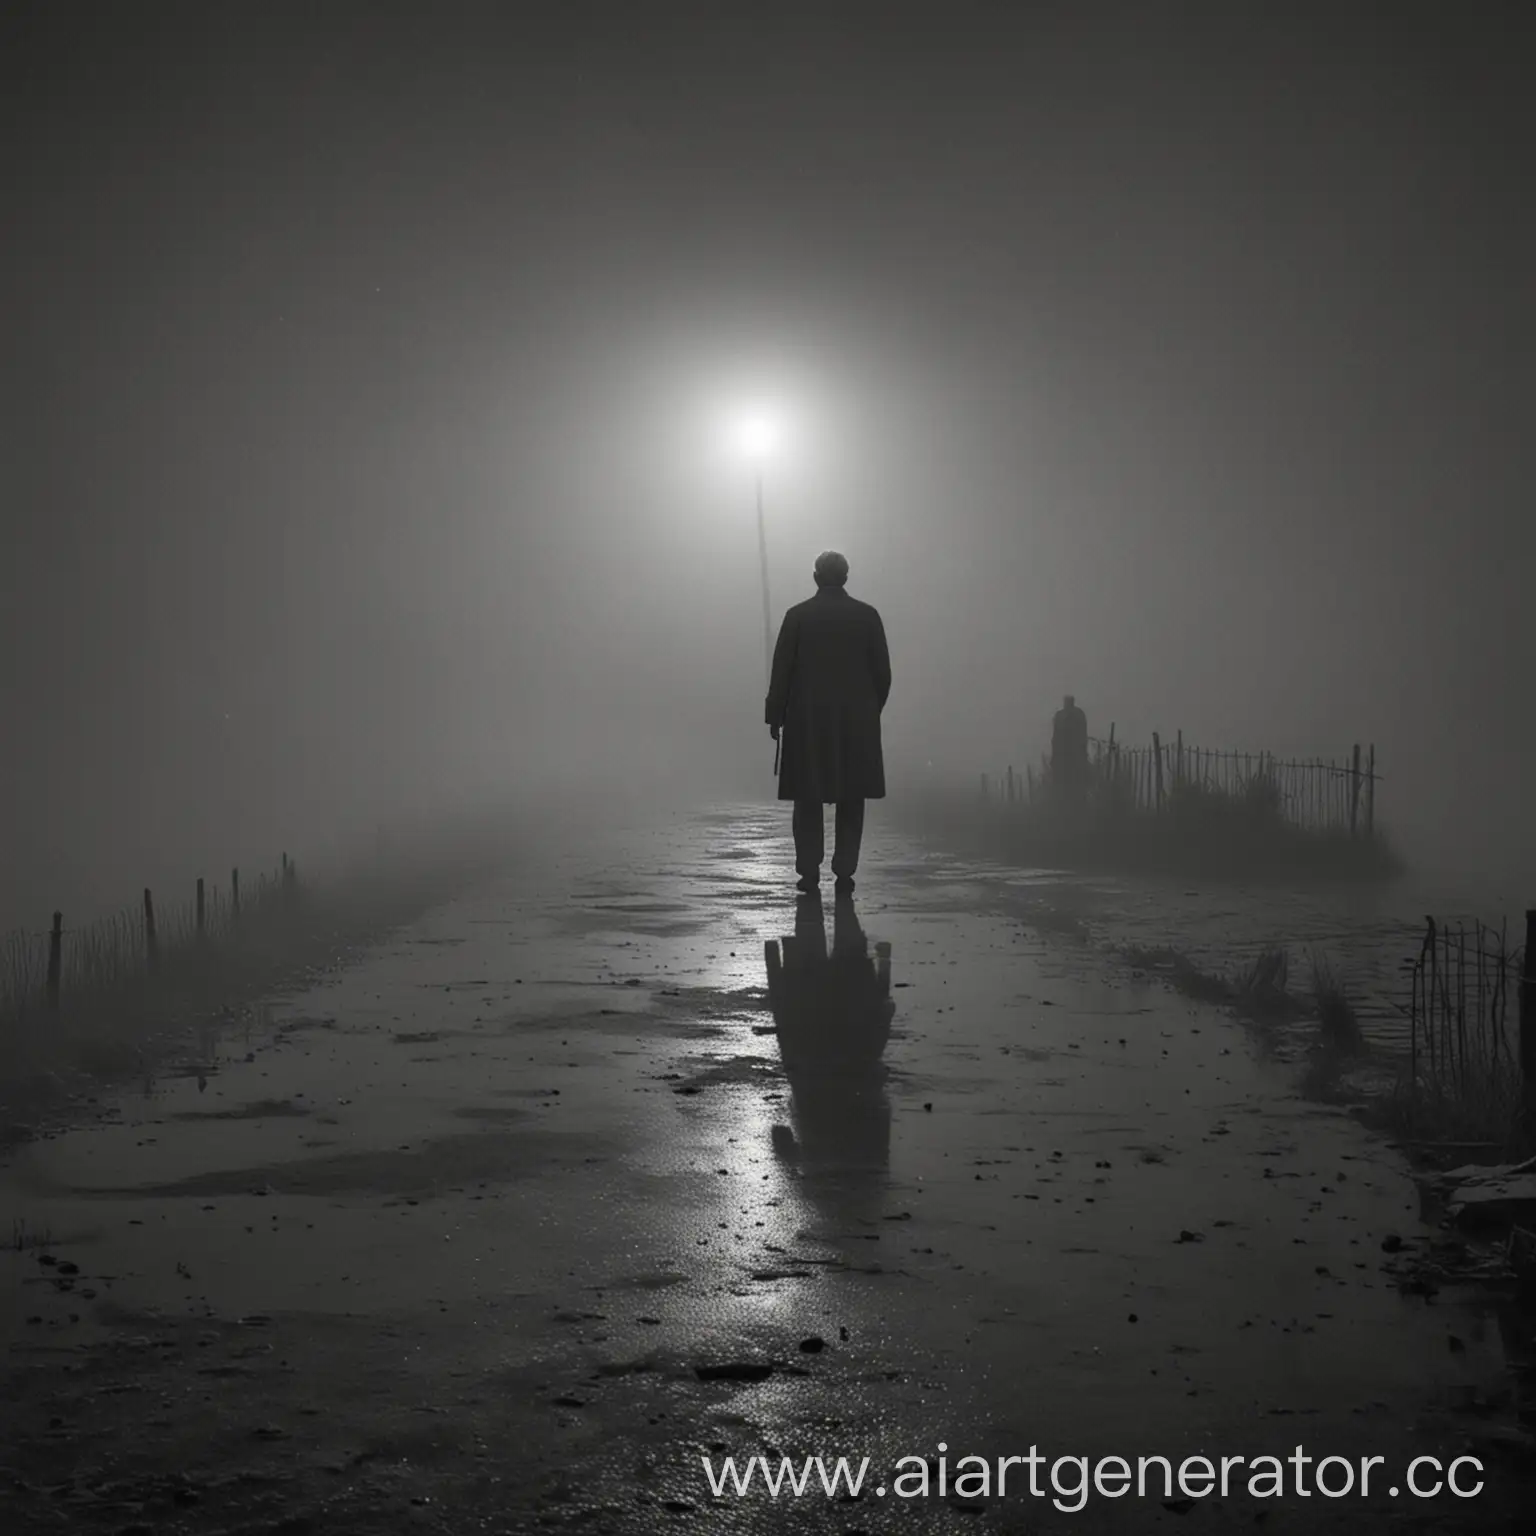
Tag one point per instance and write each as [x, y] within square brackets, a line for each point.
[367, 374]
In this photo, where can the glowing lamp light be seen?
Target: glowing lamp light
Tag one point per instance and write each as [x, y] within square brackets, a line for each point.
[757, 436]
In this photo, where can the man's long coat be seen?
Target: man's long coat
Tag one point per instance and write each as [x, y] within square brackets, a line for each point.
[831, 678]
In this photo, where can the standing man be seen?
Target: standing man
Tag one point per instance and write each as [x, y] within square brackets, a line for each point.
[831, 678]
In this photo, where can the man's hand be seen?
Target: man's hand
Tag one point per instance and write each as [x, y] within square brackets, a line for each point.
[773, 731]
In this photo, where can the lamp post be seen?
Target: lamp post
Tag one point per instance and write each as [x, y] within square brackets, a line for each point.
[762, 555]
[757, 439]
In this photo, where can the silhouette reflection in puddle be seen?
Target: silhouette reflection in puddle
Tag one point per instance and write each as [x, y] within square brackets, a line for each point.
[832, 1014]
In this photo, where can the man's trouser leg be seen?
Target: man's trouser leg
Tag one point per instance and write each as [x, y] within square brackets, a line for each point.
[809, 833]
[848, 835]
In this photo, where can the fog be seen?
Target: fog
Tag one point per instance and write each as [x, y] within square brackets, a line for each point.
[368, 374]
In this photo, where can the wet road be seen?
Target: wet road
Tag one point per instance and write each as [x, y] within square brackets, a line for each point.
[443, 1244]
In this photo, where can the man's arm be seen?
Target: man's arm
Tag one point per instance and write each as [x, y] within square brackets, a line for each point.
[879, 660]
[777, 702]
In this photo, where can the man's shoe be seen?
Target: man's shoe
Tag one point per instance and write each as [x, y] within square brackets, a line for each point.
[808, 883]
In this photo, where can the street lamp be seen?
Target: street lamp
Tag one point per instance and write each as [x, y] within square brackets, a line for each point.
[758, 435]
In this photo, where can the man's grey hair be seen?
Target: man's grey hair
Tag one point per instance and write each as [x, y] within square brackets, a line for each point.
[831, 569]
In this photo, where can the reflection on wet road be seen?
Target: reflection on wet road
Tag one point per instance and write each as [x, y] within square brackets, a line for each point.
[833, 1016]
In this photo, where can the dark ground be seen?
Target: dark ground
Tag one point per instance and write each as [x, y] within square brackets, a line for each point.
[442, 1244]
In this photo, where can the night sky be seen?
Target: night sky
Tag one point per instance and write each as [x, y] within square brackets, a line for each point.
[365, 367]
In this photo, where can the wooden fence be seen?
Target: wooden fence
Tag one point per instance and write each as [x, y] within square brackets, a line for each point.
[39, 971]
[1315, 794]
[1465, 1038]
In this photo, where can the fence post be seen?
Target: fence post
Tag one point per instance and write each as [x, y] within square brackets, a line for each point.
[1370, 792]
[151, 948]
[1157, 773]
[1178, 760]
[234, 894]
[1354, 791]
[1528, 1015]
[1010, 783]
[202, 913]
[55, 959]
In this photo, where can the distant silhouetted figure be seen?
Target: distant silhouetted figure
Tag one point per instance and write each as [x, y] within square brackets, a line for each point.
[831, 678]
[1069, 753]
